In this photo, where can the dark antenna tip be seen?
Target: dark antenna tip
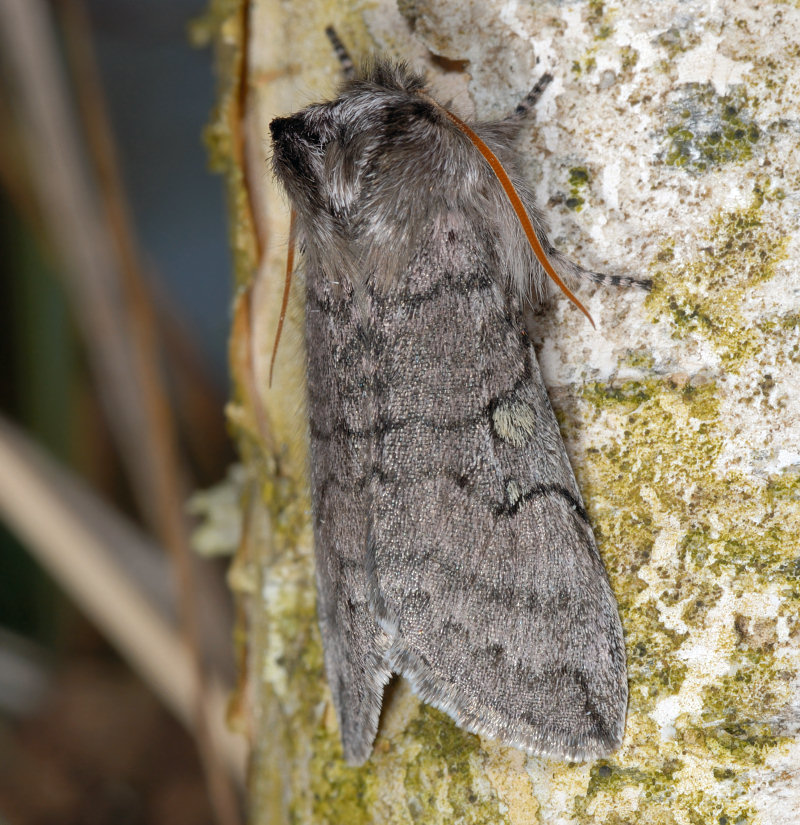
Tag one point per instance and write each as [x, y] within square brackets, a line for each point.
[348, 67]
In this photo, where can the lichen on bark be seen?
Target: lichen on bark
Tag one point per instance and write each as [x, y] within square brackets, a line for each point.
[665, 147]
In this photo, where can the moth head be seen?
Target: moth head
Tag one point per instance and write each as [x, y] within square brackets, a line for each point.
[370, 172]
[300, 142]
[381, 149]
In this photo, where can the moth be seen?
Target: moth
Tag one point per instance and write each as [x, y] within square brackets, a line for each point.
[452, 545]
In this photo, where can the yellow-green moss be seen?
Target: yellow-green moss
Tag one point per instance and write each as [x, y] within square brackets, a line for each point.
[599, 20]
[433, 759]
[338, 792]
[735, 538]
[657, 783]
[578, 179]
[703, 295]
[629, 57]
[676, 40]
[439, 782]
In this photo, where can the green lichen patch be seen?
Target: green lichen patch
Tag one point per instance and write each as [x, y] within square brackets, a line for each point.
[625, 482]
[338, 793]
[578, 179]
[435, 762]
[723, 536]
[439, 782]
[629, 57]
[739, 251]
[598, 18]
[603, 32]
[629, 394]
[656, 414]
[595, 12]
[664, 796]
[656, 784]
[638, 359]
[754, 553]
[708, 809]
[293, 659]
[790, 574]
[653, 656]
[705, 130]
[784, 487]
[786, 326]
[704, 597]
[735, 730]
[676, 40]
[288, 501]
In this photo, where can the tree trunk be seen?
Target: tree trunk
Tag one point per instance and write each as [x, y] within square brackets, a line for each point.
[665, 148]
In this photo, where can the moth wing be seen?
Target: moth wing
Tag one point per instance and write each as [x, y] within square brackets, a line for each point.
[341, 443]
[483, 565]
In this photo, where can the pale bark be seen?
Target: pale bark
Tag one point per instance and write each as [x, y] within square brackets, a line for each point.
[666, 147]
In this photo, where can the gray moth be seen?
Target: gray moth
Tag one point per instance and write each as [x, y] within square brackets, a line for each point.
[452, 545]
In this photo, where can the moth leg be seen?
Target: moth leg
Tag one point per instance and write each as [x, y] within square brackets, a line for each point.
[570, 271]
[524, 107]
[348, 67]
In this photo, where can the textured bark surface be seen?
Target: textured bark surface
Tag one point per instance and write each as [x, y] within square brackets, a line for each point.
[666, 147]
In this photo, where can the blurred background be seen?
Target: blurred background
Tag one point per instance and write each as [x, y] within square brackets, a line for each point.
[115, 635]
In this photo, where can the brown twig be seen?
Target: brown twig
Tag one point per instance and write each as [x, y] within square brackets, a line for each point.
[84, 545]
[168, 477]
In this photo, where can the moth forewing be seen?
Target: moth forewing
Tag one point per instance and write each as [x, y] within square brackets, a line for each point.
[452, 545]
